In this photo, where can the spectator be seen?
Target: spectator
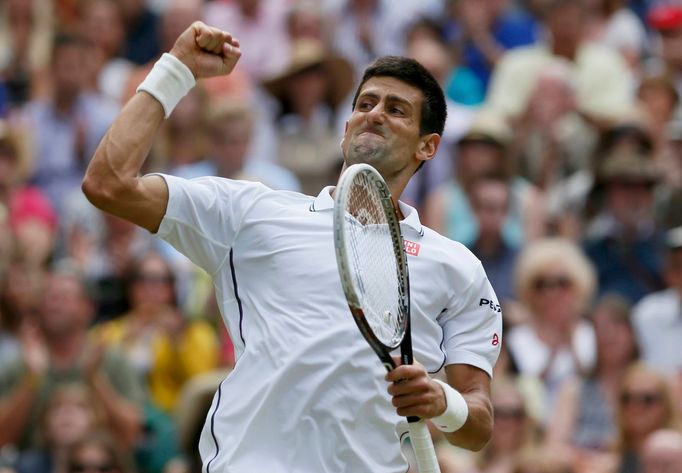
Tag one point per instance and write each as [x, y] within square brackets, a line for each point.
[66, 127]
[142, 36]
[551, 140]
[98, 452]
[366, 29]
[264, 55]
[432, 53]
[165, 349]
[623, 240]
[644, 406]
[309, 92]
[70, 416]
[662, 452]
[485, 29]
[659, 99]
[26, 29]
[555, 282]
[666, 20]
[612, 24]
[57, 351]
[658, 316]
[231, 128]
[481, 151]
[514, 430]
[603, 82]
[490, 200]
[31, 218]
[103, 26]
[586, 421]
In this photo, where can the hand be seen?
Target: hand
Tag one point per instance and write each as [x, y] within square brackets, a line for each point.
[93, 355]
[207, 51]
[33, 349]
[414, 392]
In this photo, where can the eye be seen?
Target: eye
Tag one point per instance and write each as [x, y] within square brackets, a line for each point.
[397, 111]
[365, 105]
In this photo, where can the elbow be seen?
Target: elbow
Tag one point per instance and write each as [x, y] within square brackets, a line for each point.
[101, 192]
[480, 441]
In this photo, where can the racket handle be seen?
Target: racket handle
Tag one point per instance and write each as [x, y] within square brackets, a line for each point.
[422, 444]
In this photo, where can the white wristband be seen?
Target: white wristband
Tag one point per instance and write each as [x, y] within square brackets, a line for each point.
[456, 411]
[168, 82]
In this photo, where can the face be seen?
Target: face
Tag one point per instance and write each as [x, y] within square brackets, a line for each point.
[152, 285]
[615, 339]
[307, 89]
[230, 140]
[64, 307]
[490, 200]
[510, 420]
[92, 459]
[68, 69]
[671, 44]
[69, 419]
[630, 202]
[565, 24]
[103, 26]
[553, 295]
[642, 404]
[383, 129]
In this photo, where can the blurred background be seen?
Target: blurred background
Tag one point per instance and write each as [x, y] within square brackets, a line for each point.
[560, 168]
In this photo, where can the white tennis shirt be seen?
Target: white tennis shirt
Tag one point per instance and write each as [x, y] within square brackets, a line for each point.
[307, 394]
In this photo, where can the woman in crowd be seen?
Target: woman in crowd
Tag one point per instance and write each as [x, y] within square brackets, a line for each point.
[166, 349]
[586, 422]
[555, 283]
[644, 405]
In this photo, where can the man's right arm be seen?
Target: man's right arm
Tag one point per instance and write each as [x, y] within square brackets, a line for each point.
[112, 181]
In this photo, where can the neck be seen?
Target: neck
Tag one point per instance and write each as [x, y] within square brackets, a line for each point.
[488, 244]
[66, 349]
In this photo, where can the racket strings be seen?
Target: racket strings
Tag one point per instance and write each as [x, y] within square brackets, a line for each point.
[373, 261]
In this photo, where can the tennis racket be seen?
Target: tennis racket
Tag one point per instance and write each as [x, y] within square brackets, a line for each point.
[373, 269]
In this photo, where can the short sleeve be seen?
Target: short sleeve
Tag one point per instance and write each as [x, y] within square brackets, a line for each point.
[472, 325]
[204, 216]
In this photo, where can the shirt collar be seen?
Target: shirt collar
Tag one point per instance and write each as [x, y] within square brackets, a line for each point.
[324, 201]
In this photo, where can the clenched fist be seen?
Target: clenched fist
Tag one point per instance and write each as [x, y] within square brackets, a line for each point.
[206, 50]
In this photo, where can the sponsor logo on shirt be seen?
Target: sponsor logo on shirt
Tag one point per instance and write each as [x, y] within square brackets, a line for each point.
[496, 340]
[494, 307]
[411, 248]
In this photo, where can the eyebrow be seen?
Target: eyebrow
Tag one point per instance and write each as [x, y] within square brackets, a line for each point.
[389, 98]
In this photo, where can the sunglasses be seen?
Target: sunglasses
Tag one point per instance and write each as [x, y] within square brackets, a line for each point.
[511, 413]
[543, 283]
[642, 399]
[84, 467]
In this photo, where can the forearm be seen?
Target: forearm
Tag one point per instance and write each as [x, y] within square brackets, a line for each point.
[476, 431]
[15, 410]
[124, 416]
[119, 157]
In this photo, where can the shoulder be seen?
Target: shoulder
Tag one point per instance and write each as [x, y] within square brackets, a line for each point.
[650, 306]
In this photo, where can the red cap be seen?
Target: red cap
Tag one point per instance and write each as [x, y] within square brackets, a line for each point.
[666, 17]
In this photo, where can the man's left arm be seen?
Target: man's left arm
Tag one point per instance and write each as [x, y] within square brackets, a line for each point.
[415, 393]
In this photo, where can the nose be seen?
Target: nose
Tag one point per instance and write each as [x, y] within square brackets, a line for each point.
[376, 115]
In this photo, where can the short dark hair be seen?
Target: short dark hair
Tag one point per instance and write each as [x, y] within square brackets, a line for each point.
[434, 110]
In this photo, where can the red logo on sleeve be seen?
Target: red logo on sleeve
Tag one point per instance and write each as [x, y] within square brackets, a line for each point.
[411, 248]
[496, 340]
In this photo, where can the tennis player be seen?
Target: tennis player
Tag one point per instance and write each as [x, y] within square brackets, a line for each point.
[308, 394]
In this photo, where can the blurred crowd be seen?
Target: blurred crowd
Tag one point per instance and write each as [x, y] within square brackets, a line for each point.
[560, 168]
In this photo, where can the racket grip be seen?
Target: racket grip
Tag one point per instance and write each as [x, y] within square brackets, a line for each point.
[422, 444]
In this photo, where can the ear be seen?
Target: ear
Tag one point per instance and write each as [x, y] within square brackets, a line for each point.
[428, 147]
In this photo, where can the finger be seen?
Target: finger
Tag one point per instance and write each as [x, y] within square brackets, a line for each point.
[212, 39]
[417, 385]
[403, 372]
